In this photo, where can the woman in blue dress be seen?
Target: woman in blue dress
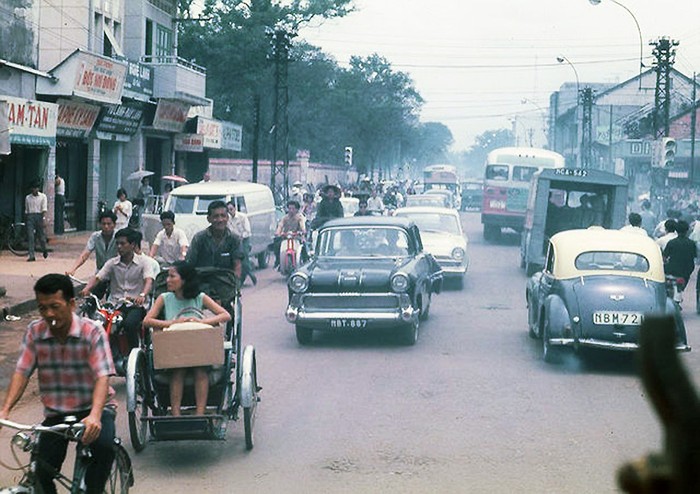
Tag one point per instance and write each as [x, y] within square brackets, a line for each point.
[183, 293]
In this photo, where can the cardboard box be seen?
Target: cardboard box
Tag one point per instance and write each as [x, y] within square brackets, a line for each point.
[188, 348]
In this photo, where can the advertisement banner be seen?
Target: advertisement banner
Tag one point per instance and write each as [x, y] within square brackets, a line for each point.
[211, 130]
[99, 79]
[170, 115]
[189, 143]
[138, 83]
[231, 136]
[75, 119]
[120, 119]
[30, 122]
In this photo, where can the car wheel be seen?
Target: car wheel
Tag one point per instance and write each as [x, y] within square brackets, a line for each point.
[550, 354]
[697, 301]
[304, 335]
[425, 312]
[409, 332]
[530, 321]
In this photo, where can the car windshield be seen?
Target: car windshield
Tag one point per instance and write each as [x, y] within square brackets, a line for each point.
[181, 204]
[362, 242]
[204, 202]
[435, 222]
[612, 260]
[523, 173]
[497, 172]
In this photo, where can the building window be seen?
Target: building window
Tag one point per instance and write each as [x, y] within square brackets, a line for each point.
[164, 41]
[148, 51]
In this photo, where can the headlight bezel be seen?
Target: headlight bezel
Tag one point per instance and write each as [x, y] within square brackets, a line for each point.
[400, 282]
[458, 253]
[298, 277]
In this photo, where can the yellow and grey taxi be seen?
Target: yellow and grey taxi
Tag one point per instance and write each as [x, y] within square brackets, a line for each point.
[594, 291]
[442, 235]
[367, 272]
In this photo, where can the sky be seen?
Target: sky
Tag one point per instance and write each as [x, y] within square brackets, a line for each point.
[491, 64]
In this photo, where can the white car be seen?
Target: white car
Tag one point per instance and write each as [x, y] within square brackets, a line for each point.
[442, 235]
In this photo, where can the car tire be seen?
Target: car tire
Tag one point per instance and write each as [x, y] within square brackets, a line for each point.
[409, 333]
[304, 335]
[425, 313]
[550, 354]
[530, 321]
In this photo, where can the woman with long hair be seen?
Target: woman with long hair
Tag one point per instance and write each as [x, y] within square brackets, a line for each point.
[183, 292]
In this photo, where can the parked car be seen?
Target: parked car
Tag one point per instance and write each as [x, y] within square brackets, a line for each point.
[472, 195]
[367, 273]
[448, 195]
[190, 202]
[442, 235]
[431, 200]
[594, 291]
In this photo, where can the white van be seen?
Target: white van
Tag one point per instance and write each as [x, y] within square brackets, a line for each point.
[190, 202]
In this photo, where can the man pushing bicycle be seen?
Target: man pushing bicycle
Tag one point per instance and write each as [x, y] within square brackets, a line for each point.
[73, 361]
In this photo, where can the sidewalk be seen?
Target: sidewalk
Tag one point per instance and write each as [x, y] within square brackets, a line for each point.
[18, 276]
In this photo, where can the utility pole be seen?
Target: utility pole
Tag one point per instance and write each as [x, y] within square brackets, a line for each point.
[665, 54]
[693, 120]
[587, 127]
[280, 39]
[256, 136]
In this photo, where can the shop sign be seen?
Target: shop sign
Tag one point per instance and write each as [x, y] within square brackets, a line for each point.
[75, 119]
[170, 115]
[120, 119]
[138, 83]
[99, 79]
[30, 122]
[603, 134]
[231, 136]
[211, 130]
[191, 143]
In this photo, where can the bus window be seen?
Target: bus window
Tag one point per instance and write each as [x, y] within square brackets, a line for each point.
[523, 173]
[497, 172]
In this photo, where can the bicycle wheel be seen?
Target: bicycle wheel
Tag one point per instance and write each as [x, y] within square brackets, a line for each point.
[17, 240]
[121, 477]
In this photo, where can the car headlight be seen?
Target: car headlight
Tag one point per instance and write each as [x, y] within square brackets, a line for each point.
[458, 253]
[299, 282]
[399, 282]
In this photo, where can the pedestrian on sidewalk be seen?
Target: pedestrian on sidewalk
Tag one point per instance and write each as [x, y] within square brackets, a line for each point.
[123, 209]
[59, 205]
[35, 206]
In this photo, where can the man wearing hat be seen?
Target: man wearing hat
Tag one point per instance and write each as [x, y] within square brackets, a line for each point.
[330, 206]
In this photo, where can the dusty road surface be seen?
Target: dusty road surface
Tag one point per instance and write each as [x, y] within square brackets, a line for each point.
[470, 408]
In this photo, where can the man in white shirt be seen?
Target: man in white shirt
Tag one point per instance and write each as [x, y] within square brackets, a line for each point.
[635, 225]
[35, 206]
[239, 225]
[375, 203]
[171, 242]
[670, 227]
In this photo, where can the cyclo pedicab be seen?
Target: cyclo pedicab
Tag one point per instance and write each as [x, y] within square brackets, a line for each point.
[232, 377]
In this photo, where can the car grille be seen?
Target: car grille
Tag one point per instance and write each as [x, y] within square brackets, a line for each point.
[447, 261]
[312, 302]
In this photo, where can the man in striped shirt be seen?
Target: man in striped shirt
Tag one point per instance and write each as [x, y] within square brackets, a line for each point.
[73, 362]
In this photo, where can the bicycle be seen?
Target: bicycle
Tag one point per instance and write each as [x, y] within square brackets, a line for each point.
[120, 479]
[14, 236]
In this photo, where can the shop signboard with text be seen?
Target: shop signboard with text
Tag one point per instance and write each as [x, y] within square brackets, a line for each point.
[190, 143]
[231, 136]
[120, 119]
[171, 115]
[138, 83]
[99, 78]
[211, 130]
[75, 119]
[29, 122]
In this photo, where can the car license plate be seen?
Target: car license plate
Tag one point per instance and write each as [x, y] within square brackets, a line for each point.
[348, 323]
[616, 317]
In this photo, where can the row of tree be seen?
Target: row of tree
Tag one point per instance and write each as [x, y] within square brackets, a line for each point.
[367, 105]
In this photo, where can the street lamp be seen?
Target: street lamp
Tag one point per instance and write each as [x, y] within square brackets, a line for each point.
[639, 31]
[563, 59]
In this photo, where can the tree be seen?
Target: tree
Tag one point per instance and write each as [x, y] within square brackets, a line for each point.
[472, 161]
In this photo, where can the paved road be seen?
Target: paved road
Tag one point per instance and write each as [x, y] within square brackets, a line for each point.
[471, 408]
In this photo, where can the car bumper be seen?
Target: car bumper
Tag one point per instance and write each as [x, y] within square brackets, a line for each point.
[302, 311]
[608, 345]
[451, 268]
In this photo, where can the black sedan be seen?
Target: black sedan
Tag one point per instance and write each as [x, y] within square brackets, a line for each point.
[367, 273]
[594, 291]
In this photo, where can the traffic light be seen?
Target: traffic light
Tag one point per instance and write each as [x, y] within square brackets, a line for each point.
[348, 156]
[668, 152]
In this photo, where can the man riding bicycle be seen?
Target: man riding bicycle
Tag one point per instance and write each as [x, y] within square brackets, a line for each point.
[74, 363]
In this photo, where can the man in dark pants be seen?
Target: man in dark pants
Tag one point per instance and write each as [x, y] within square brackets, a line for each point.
[130, 277]
[680, 254]
[59, 204]
[74, 364]
[35, 206]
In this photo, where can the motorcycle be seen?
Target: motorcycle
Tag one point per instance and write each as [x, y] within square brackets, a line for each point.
[111, 318]
[674, 288]
[291, 249]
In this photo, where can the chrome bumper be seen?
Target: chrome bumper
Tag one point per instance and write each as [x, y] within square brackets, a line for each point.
[608, 345]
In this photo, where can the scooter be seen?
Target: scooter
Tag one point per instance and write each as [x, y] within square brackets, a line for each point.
[291, 249]
[110, 316]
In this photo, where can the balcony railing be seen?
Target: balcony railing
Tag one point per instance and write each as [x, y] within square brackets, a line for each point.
[177, 78]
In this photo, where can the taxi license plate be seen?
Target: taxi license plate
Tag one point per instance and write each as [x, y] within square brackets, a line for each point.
[615, 317]
[348, 323]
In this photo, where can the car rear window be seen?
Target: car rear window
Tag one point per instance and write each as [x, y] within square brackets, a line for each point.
[612, 261]
[181, 204]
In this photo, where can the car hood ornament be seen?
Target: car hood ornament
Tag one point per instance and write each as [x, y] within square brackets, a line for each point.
[617, 297]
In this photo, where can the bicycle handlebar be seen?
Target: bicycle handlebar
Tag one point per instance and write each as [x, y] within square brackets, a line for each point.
[72, 431]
